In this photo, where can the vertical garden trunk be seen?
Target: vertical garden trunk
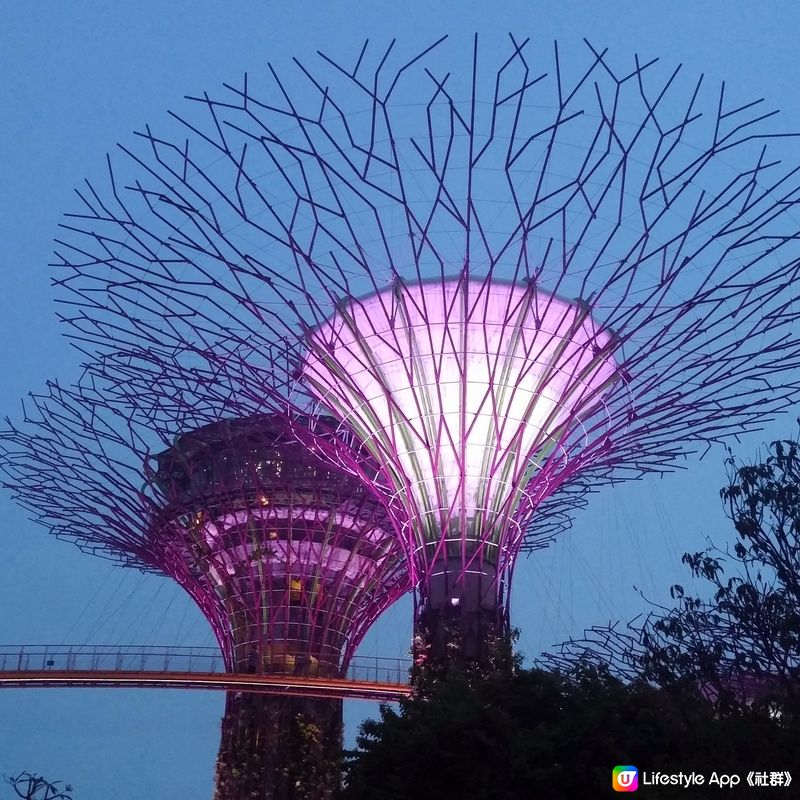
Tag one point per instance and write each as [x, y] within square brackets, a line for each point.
[279, 748]
[461, 624]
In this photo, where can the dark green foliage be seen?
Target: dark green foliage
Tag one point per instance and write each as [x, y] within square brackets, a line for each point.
[498, 658]
[745, 639]
[739, 641]
[539, 735]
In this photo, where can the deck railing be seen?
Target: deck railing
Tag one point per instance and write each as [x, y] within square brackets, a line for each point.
[133, 658]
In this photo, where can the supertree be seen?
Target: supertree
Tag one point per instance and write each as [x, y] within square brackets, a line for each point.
[393, 241]
[289, 560]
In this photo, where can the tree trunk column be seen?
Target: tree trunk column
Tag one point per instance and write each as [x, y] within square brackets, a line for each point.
[279, 748]
[461, 618]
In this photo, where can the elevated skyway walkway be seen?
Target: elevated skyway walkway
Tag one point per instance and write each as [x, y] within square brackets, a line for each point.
[368, 677]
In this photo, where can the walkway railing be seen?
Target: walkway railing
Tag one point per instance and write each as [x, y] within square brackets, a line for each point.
[369, 677]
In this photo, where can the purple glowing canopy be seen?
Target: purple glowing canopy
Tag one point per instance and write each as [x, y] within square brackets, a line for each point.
[238, 243]
[294, 558]
[290, 562]
[664, 205]
[468, 393]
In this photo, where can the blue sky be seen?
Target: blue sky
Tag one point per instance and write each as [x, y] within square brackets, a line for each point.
[81, 77]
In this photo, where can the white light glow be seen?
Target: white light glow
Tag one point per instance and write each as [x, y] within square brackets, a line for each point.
[460, 390]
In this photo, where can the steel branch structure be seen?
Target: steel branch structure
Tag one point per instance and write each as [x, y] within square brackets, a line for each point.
[511, 281]
[290, 561]
[610, 649]
[716, 658]
[462, 390]
[298, 555]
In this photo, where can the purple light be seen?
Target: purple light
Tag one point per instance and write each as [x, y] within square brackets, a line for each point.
[217, 271]
[295, 560]
[290, 561]
[484, 410]
[461, 391]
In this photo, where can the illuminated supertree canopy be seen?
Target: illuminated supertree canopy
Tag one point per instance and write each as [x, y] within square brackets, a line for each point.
[296, 552]
[463, 391]
[289, 560]
[510, 279]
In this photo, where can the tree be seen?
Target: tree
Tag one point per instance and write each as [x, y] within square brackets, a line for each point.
[543, 735]
[34, 787]
[741, 644]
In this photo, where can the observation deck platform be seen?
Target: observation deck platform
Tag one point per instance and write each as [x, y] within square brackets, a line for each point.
[130, 666]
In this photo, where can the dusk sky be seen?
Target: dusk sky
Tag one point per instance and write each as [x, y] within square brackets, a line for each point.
[82, 77]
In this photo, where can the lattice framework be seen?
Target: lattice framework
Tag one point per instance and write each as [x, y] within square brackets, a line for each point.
[290, 562]
[219, 247]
